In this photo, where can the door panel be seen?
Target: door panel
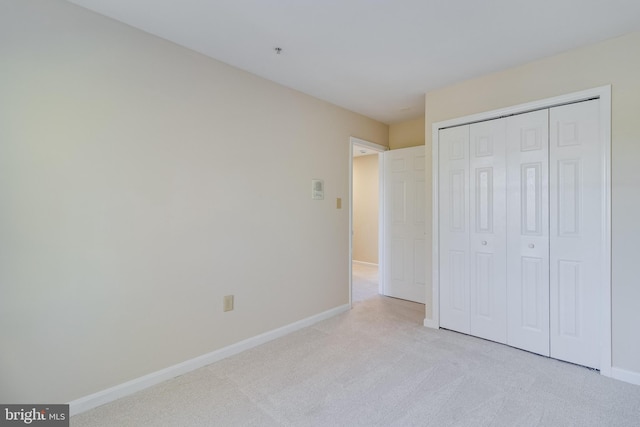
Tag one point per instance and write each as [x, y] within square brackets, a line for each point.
[453, 228]
[528, 232]
[531, 200]
[576, 173]
[404, 216]
[533, 284]
[487, 231]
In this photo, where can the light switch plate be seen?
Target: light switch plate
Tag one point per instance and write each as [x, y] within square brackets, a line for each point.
[228, 303]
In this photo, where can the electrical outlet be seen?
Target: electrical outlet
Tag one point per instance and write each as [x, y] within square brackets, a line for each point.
[228, 303]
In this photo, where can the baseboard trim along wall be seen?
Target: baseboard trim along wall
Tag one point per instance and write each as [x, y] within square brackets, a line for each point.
[121, 390]
[626, 376]
[372, 264]
[430, 323]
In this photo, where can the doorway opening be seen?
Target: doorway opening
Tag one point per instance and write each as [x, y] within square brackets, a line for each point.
[365, 219]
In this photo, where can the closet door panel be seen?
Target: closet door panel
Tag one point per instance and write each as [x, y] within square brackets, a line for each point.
[454, 228]
[576, 174]
[487, 230]
[528, 232]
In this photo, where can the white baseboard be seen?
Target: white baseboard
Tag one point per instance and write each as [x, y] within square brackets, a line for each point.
[626, 376]
[430, 323]
[371, 264]
[121, 390]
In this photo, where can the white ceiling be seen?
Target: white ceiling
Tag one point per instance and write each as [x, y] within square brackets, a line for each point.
[376, 57]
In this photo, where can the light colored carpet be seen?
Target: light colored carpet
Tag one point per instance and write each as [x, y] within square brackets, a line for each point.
[378, 366]
[365, 283]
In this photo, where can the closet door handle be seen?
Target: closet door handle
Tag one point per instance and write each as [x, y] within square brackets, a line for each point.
[531, 245]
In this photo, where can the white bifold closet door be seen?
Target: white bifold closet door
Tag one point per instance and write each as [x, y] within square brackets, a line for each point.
[473, 230]
[520, 226]
[577, 206]
[487, 231]
[454, 228]
[528, 231]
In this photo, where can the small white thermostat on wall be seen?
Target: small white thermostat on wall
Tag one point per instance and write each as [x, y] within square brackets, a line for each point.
[317, 189]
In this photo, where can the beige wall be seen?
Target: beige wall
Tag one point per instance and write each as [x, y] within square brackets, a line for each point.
[366, 190]
[139, 183]
[615, 62]
[409, 133]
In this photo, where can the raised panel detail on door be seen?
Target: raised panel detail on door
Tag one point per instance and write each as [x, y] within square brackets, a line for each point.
[453, 228]
[457, 184]
[484, 200]
[487, 231]
[484, 281]
[531, 200]
[457, 145]
[483, 145]
[569, 190]
[528, 232]
[458, 299]
[569, 298]
[419, 268]
[399, 202]
[420, 205]
[532, 297]
[576, 230]
[404, 216]
[397, 258]
[531, 138]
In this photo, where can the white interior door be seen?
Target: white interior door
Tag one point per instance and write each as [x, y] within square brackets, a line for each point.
[404, 224]
[487, 230]
[453, 191]
[528, 231]
[576, 230]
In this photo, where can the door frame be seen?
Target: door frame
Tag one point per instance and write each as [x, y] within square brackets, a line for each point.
[357, 142]
[604, 94]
